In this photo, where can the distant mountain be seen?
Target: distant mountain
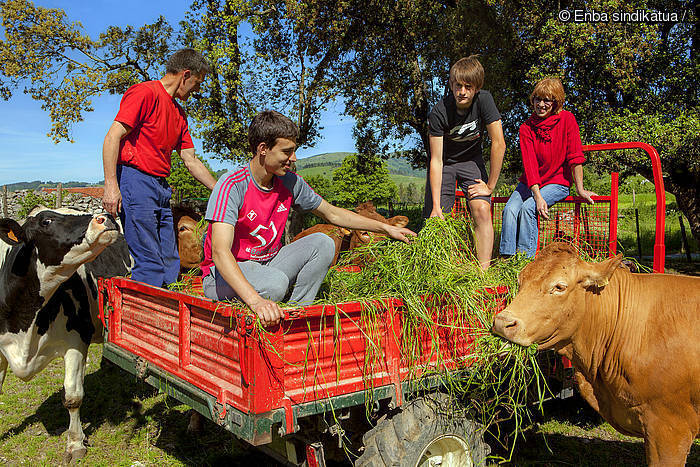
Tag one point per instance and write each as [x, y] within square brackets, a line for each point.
[36, 184]
[324, 164]
[321, 164]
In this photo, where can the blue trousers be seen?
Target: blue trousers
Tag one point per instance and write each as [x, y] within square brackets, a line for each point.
[148, 226]
[519, 231]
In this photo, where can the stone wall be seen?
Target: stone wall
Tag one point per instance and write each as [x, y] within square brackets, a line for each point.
[77, 201]
[90, 204]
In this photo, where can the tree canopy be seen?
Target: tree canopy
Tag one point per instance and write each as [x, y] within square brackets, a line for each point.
[387, 63]
[355, 184]
[184, 185]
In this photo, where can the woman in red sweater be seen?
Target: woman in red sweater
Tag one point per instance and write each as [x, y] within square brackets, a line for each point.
[551, 148]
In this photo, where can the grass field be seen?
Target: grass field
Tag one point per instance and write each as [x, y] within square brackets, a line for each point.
[129, 424]
[327, 172]
[646, 206]
[573, 434]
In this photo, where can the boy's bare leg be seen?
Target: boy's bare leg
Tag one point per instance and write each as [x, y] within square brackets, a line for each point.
[483, 230]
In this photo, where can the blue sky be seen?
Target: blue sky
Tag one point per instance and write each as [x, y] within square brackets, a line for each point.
[27, 154]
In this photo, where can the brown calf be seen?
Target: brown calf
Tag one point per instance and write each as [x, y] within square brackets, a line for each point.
[189, 244]
[333, 231]
[357, 237]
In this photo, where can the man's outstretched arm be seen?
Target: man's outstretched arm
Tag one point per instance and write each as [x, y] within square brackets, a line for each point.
[197, 168]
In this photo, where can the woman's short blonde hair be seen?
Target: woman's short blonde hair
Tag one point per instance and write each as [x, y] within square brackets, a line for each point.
[550, 88]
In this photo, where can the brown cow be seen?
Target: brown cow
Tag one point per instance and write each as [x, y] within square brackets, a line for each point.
[333, 231]
[357, 237]
[367, 209]
[363, 237]
[634, 340]
[189, 240]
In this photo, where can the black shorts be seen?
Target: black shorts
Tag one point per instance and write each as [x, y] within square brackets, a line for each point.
[463, 173]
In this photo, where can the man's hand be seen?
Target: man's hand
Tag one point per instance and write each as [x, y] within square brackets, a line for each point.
[587, 195]
[268, 311]
[437, 212]
[112, 199]
[542, 208]
[399, 233]
[479, 189]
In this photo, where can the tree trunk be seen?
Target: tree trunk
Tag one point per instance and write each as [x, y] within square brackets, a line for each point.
[689, 203]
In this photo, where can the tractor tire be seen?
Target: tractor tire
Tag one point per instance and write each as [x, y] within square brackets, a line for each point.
[426, 432]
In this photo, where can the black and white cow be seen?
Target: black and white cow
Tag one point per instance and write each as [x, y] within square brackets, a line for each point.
[48, 297]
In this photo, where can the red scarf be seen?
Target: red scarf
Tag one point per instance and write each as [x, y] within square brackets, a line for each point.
[543, 126]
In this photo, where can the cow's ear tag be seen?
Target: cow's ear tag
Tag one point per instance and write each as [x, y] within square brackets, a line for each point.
[11, 232]
[599, 274]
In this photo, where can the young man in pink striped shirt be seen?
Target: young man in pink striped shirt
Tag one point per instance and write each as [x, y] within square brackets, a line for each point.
[248, 210]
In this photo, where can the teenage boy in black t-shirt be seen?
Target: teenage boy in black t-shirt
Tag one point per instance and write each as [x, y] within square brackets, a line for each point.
[456, 126]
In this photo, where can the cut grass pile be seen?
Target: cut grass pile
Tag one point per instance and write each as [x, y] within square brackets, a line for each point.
[448, 308]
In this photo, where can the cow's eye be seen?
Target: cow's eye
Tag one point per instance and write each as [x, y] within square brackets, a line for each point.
[558, 288]
[46, 222]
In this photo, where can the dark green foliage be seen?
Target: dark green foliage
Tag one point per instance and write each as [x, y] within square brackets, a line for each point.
[322, 186]
[635, 184]
[184, 185]
[358, 180]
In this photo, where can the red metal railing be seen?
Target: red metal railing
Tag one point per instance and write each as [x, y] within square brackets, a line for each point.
[317, 352]
[591, 227]
[659, 246]
[599, 221]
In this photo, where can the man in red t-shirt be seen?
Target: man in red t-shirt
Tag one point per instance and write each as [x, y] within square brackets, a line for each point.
[149, 126]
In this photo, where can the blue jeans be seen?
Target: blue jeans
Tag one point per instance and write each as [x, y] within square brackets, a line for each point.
[148, 226]
[519, 231]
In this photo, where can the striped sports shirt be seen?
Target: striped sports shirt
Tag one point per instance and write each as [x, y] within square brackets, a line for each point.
[258, 214]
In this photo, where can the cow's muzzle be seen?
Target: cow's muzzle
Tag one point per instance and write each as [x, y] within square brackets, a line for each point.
[505, 326]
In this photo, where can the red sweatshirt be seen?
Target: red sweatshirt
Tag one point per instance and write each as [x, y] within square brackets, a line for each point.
[549, 148]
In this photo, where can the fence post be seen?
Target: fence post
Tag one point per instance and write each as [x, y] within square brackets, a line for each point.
[59, 196]
[639, 241]
[4, 201]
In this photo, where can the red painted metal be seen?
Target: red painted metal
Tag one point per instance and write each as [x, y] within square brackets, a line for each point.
[316, 353]
[659, 246]
[601, 237]
[314, 455]
[572, 219]
[612, 235]
[289, 424]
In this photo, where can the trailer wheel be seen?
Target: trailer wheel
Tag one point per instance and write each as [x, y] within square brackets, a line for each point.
[427, 432]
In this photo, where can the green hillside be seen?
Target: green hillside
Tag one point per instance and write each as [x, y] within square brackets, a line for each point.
[37, 184]
[327, 159]
[400, 171]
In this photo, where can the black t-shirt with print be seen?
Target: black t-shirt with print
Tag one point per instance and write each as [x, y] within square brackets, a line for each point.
[462, 134]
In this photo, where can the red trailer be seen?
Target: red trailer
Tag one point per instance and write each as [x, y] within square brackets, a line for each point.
[288, 388]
